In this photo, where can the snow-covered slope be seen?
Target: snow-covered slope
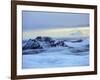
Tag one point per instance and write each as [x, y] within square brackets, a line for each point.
[45, 52]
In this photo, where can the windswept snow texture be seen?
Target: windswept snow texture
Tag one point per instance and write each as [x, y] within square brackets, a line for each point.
[45, 52]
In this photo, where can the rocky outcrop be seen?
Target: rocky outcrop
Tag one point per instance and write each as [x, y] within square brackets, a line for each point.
[32, 44]
[42, 42]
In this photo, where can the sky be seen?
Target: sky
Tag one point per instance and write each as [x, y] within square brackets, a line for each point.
[54, 24]
[47, 20]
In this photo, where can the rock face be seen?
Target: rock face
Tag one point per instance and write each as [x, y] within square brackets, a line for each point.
[32, 44]
[42, 42]
[61, 43]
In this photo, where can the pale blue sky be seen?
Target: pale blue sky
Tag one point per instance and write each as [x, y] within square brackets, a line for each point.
[33, 20]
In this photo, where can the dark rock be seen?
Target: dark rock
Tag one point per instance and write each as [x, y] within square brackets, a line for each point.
[32, 44]
[87, 46]
[43, 42]
[39, 38]
[61, 43]
[46, 39]
[52, 43]
[77, 41]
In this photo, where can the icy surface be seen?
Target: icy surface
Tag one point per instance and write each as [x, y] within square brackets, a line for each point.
[76, 53]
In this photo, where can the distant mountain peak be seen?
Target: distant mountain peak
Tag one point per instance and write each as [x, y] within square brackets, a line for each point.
[43, 42]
